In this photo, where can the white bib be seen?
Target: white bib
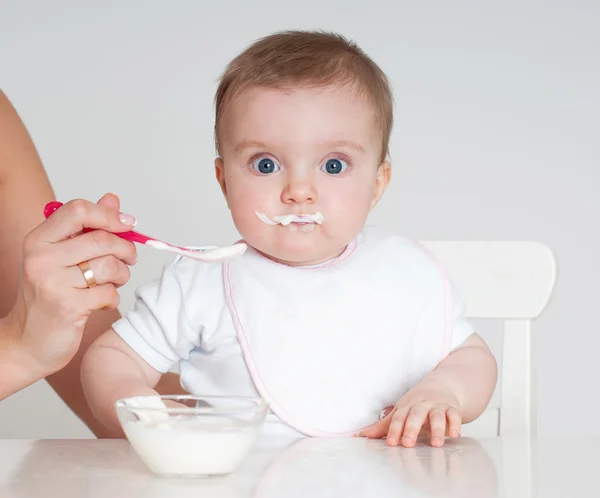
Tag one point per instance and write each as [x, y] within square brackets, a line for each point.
[331, 346]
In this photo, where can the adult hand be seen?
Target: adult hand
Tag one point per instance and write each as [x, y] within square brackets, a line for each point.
[55, 299]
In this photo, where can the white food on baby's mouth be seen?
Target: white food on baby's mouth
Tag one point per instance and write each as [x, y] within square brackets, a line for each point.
[286, 219]
[264, 218]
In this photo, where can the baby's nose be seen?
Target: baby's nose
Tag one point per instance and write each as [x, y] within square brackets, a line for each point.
[299, 191]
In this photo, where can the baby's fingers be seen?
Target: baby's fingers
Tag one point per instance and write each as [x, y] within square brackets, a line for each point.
[454, 422]
[437, 422]
[415, 420]
[378, 430]
[397, 426]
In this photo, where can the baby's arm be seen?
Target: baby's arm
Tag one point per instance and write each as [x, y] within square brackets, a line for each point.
[470, 373]
[129, 359]
[111, 370]
[456, 392]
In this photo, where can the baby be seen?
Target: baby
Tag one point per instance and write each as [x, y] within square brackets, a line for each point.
[330, 321]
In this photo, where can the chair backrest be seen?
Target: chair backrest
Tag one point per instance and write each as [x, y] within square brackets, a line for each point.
[513, 282]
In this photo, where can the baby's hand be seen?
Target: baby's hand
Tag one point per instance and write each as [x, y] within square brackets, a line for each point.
[424, 409]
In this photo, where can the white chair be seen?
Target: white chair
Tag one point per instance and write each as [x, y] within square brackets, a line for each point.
[511, 281]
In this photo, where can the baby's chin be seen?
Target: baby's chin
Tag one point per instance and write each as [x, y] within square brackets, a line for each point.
[300, 256]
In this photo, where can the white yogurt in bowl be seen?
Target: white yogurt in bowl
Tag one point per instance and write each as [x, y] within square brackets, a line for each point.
[192, 435]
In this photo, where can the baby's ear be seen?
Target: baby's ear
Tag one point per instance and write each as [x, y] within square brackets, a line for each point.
[384, 175]
[220, 175]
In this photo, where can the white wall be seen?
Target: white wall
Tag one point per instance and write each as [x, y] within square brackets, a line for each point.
[496, 138]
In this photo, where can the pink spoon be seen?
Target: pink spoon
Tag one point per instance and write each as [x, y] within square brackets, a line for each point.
[210, 254]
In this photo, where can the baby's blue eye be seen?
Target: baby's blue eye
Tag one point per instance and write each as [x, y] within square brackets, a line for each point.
[334, 166]
[265, 166]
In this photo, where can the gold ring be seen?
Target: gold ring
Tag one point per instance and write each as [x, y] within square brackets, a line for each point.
[88, 274]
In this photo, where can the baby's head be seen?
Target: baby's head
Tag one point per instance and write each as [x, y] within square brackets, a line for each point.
[303, 121]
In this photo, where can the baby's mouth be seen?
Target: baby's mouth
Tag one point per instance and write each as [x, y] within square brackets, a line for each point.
[302, 220]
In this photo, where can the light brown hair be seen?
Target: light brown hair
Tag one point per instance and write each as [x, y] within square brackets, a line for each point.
[307, 58]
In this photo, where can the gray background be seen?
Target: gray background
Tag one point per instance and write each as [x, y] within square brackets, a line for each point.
[496, 137]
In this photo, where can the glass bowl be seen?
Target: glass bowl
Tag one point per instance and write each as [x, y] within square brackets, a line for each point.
[194, 436]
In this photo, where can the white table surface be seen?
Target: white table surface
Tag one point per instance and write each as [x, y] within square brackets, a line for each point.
[312, 468]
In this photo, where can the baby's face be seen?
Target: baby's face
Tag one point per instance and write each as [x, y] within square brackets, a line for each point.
[301, 151]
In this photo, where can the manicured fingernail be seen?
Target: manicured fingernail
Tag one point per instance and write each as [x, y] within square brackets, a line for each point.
[437, 440]
[127, 219]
